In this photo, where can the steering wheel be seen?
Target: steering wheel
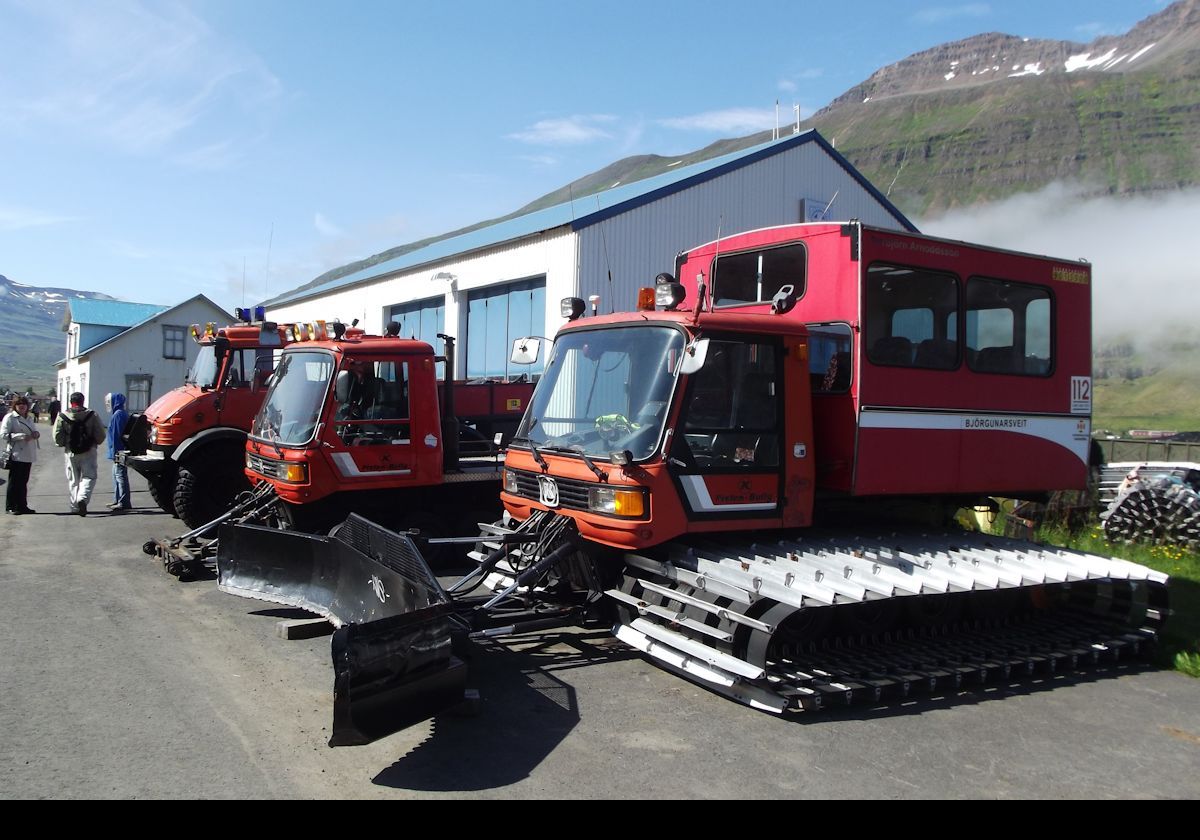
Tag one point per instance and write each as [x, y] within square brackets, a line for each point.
[613, 427]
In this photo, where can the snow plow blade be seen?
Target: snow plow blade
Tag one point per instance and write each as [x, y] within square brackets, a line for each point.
[392, 652]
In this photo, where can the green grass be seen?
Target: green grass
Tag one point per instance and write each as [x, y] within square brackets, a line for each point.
[1180, 638]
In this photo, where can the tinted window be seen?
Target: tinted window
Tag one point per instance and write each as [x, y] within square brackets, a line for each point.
[829, 360]
[754, 276]
[1008, 327]
[911, 317]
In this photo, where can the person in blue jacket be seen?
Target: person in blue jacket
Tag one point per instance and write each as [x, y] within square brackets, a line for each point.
[115, 403]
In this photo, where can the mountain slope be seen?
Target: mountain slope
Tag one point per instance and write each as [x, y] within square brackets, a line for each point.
[31, 337]
[986, 117]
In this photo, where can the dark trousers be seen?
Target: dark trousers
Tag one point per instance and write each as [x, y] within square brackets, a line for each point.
[18, 484]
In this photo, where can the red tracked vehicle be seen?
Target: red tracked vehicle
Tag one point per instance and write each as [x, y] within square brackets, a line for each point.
[733, 487]
[356, 422]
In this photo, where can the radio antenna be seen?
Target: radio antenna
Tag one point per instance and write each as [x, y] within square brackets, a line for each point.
[607, 264]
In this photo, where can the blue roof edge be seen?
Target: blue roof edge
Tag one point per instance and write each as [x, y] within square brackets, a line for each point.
[768, 149]
[739, 159]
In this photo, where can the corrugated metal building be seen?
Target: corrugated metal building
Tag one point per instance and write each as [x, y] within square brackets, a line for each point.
[504, 281]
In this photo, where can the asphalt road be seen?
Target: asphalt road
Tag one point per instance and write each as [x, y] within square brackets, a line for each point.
[118, 681]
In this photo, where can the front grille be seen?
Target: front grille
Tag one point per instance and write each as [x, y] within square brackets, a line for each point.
[572, 493]
[266, 467]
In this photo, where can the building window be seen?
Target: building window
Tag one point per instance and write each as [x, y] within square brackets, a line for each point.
[498, 315]
[422, 320]
[137, 392]
[173, 342]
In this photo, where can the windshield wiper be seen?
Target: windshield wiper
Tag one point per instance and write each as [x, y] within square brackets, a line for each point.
[537, 456]
[272, 436]
[599, 473]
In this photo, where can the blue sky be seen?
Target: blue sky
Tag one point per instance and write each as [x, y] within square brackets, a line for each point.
[155, 150]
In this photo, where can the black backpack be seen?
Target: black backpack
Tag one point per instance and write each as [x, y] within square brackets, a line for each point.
[80, 441]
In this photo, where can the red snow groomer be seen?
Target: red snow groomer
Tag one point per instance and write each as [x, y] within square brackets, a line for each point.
[752, 478]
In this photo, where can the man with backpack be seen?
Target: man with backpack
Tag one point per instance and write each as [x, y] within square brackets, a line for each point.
[78, 430]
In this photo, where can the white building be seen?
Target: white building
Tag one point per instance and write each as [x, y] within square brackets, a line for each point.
[505, 280]
[138, 349]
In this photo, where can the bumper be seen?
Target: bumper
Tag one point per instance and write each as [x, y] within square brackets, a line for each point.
[151, 463]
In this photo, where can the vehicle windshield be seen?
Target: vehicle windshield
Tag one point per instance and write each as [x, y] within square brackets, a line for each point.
[204, 371]
[605, 391]
[290, 412]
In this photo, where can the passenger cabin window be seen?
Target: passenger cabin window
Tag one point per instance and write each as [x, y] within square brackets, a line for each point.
[755, 276]
[829, 361]
[1008, 327]
[732, 418]
[911, 316]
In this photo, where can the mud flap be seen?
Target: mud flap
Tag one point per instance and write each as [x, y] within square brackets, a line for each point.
[392, 652]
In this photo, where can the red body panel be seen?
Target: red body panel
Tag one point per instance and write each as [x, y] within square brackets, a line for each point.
[187, 410]
[903, 430]
[413, 456]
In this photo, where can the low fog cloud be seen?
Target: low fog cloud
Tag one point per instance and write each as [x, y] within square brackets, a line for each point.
[1144, 250]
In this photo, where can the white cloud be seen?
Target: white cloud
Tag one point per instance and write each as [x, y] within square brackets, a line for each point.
[730, 120]
[324, 226]
[1135, 286]
[22, 218]
[786, 85]
[940, 14]
[142, 77]
[566, 131]
[540, 160]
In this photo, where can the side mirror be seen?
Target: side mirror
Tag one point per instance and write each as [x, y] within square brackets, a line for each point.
[693, 356]
[342, 385]
[525, 351]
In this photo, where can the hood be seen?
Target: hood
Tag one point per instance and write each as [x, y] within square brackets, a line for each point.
[73, 413]
[115, 402]
[172, 402]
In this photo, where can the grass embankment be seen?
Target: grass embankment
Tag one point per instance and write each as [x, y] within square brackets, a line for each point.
[1180, 639]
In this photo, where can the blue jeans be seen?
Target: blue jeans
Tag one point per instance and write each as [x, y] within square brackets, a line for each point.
[121, 485]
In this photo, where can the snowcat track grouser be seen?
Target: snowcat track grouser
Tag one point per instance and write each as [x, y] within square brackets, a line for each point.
[791, 625]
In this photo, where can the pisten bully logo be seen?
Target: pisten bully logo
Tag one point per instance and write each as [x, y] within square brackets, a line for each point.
[548, 491]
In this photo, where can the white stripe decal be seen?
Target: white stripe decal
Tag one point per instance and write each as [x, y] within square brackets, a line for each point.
[347, 467]
[1071, 433]
[697, 495]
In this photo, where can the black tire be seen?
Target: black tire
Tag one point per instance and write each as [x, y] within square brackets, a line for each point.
[209, 483]
[162, 489]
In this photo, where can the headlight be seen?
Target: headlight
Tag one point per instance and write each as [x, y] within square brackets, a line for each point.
[296, 473]
[617, 501]
[510, 481]
[154, 434]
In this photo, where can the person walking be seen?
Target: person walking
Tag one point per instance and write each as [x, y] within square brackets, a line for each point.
[78, 431]
[21, 445]
[55, 407]
[115, 403]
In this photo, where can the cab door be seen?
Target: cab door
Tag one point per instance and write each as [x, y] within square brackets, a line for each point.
[727, 454]
[371, 444]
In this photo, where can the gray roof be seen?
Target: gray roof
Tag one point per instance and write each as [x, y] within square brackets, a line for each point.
[589, 211]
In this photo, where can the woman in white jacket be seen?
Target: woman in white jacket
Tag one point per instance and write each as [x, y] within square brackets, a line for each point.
[19, 436]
